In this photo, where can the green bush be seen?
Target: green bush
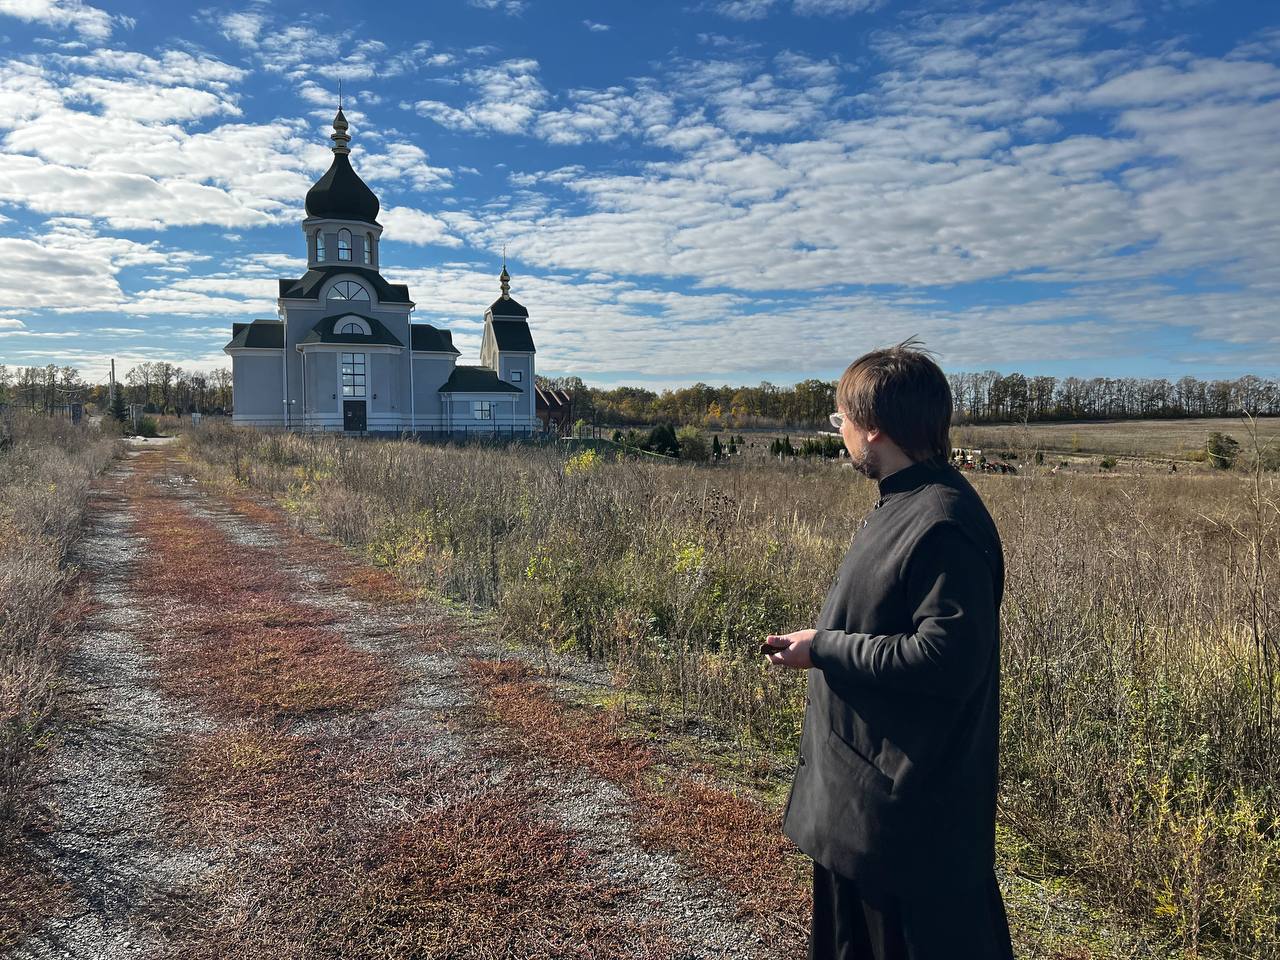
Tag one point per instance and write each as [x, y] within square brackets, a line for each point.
[147, 427]
[693, 445]
[1221, 450]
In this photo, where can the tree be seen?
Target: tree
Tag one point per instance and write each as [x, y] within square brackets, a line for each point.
[1222, 450]
[693, 445]
[662, 439]
[717, 451]
[119, 410]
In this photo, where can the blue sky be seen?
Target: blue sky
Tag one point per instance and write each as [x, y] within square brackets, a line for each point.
[717, 190]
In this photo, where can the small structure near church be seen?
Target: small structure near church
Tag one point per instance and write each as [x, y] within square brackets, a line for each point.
[555, 410]
[344, 354]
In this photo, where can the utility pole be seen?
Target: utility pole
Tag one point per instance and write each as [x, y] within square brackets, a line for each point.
[111, 398]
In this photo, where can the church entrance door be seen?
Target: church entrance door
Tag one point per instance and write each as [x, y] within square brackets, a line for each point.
[353, 416]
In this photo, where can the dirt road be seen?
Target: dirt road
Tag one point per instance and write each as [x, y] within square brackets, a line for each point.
[275, 753]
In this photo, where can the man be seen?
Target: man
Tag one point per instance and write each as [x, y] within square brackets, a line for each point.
[895, 792]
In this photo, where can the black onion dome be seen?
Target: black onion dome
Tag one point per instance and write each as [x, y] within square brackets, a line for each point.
[341, 195]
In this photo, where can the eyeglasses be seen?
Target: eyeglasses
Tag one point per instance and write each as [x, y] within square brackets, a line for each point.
[837, 420]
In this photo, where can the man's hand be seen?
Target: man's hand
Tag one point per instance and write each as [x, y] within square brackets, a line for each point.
[792, 649]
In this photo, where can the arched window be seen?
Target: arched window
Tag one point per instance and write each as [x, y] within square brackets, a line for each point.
[320, 245]
[352, 328]
[344, 244]
[368, 248]
[348, 290]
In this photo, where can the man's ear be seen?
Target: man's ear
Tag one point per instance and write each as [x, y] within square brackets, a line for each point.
[873, 434]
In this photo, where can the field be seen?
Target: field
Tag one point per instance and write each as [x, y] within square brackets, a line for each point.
[552, 647]
[1140, 626]
[1144, 439]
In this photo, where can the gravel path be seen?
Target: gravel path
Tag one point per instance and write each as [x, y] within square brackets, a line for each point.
[130, 880]
[109, 844]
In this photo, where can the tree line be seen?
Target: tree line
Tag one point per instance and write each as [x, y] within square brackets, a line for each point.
[986, 397]
[160, 387]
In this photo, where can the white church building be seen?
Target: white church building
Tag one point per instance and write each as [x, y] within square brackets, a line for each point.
[344, 353]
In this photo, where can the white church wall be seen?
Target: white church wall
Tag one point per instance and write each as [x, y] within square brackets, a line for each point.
[256, 388]
[384, 384]
[322, 383]
[517, 369]
[430, 371]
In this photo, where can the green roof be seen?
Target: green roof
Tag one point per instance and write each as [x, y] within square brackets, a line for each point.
[324, 331]
[477, 380]
[429, 339]
[259, 335]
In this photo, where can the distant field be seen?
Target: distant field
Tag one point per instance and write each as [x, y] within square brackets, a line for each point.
[1165, 439]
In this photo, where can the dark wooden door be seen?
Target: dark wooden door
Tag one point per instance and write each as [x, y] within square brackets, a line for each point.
[353, 416]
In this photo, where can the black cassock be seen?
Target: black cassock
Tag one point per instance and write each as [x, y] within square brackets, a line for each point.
[967, 923]
[894, 795]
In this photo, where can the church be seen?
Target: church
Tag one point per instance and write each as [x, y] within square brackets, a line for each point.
[345, 355]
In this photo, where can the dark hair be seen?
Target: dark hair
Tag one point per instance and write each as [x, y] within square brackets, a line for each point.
[903, 393]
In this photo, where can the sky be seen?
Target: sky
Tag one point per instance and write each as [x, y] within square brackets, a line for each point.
[728, 191]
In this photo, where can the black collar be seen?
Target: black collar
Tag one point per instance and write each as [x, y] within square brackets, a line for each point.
[908, 478]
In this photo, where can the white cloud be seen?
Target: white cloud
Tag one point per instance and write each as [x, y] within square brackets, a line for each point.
[403, 163]
[508, 97]
[837, 8]
[1196, 81]
[243, 27]
[410, 225]
[745, 9]
[133, 163]
[506, 6]
[90, 22]
[595, 27]
[70, 267]
[148, 102]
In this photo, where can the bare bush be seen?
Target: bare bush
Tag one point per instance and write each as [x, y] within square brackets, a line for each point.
[44, 482]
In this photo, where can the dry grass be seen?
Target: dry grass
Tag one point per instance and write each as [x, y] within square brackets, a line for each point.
[337, 848]
[44, 489]
[223, 619]
[1141, 728]
[1148, 439]
[334, 845]
[29, 894]
[721, 833]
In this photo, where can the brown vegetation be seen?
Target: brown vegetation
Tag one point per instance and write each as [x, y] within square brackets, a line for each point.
[44, 487]
[1140, 625]
[720, 832]
[224, 621]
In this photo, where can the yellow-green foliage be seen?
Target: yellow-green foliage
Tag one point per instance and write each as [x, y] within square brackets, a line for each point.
[1141, 696]
[583, 462]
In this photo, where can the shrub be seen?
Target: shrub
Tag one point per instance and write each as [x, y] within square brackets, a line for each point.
[1221, 450]
[148, 427]
[662, 439]
[1107, 463]
[693, 445]
[44, 480]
